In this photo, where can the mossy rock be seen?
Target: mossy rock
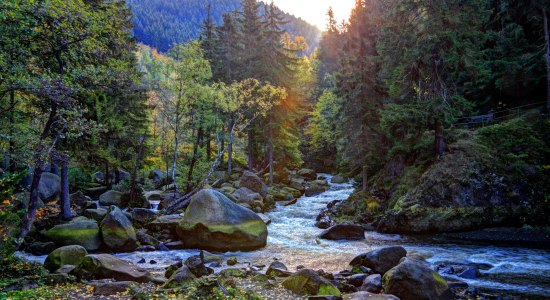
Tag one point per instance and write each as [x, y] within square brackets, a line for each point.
[106, 266]
[213, 222]
[232, 272]
[118, 232]
[66, 255]
[80, 231]
[308, 282]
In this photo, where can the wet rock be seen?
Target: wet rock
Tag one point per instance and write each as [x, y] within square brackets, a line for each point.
[79, 199]
[67, 255]
[96, 214]
[111, 198]
[213, 222]
[373, 284]
[315, 189]
[197, 267]
[308, 174]
[146, 239]
[147, 248]
[344, 232]
[357, 279]
[105, 266]
[338, 179]
[380, 260]
[253, 182]
[80, 231]
[232, 261]
[169, 222]
[265, 218]
[469, 273]
[176, 245]
[308, 282]
[277, 269]
[39, 248]
[369, 296]
[117, 231]
[405, 279]
[142, 261]
[143, 215]
[108, 288]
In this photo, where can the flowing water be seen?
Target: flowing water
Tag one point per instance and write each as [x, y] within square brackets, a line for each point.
[293, 240]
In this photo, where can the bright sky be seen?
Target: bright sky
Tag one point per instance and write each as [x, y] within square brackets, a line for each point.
[315, 11]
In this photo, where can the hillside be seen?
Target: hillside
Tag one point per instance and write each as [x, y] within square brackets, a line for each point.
[161, 23]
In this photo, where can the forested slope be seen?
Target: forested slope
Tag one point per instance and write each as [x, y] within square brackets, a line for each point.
[161, 23]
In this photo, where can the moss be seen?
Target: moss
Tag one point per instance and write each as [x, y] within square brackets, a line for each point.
[255, 227]
[328, 290]
[233, 272]
[88, 237]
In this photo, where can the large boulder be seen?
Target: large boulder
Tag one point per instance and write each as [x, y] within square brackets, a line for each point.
[308, 282]
[39, 248]
[106, 266]
[344, 232]
[380, 260]
[117, 231]
[315, 188]
[412, 279]
[166, 222]
[253, 182]
[308, 174]
[79, 199]
[369, 296]
[213, 222]
[111, 198]
[49, 186]
[66, 255]
[246, 195]
[179, 277]
[158, 177]
[337, 179]
[80, 231]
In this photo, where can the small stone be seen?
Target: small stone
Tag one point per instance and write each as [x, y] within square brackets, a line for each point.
[232, 261]
[153, 262]
[141, 261]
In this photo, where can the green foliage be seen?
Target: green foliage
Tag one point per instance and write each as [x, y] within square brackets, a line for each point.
[516, 145]
[79, 179]
[10, 218]
[9, 183]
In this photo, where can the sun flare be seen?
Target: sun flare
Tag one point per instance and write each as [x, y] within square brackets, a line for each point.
[314, 11]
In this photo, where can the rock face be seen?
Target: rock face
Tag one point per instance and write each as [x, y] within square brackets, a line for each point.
[380, 260]
[67, 255]
[344, 232]
[369, 296]
[49, 186]
[105, 266]
[412, 279]
[80, 231]
[338, 179]
[308, 282]
[117, 231]
[308, 174]
[253, 182]
[213, 222]
[110, 198]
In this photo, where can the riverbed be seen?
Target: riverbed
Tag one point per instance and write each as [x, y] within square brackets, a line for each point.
[293, 240]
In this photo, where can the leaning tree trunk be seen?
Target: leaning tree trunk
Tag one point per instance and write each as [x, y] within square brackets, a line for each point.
[65, 197]
[270, 155]
[438, 141]
[547, 39]
[365, 179]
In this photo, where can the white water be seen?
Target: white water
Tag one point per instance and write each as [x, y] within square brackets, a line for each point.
[293, 240]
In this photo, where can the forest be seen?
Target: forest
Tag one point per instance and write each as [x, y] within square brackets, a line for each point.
[229, 150]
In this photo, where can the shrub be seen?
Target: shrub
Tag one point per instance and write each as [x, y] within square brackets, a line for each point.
[78, 179]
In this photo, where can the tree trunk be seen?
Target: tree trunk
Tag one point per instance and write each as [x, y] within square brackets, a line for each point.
[65, 197]
[133, 182]
[438, 141]
[117, 175]
[547, 39]
[270, 155]
[229, 154]
[365, 179]
[11, 155]
[106, 176]
[54, 164]
[194, 160]
[250, 146]
[208, 145]
[175, 163]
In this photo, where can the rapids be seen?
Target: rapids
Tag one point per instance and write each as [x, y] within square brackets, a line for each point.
[293, 240]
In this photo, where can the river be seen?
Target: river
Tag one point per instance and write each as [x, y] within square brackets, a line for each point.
[293, 240]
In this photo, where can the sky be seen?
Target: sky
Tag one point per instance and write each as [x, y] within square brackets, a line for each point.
[315, 11]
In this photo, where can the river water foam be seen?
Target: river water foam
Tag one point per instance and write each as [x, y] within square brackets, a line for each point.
[293, 240]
